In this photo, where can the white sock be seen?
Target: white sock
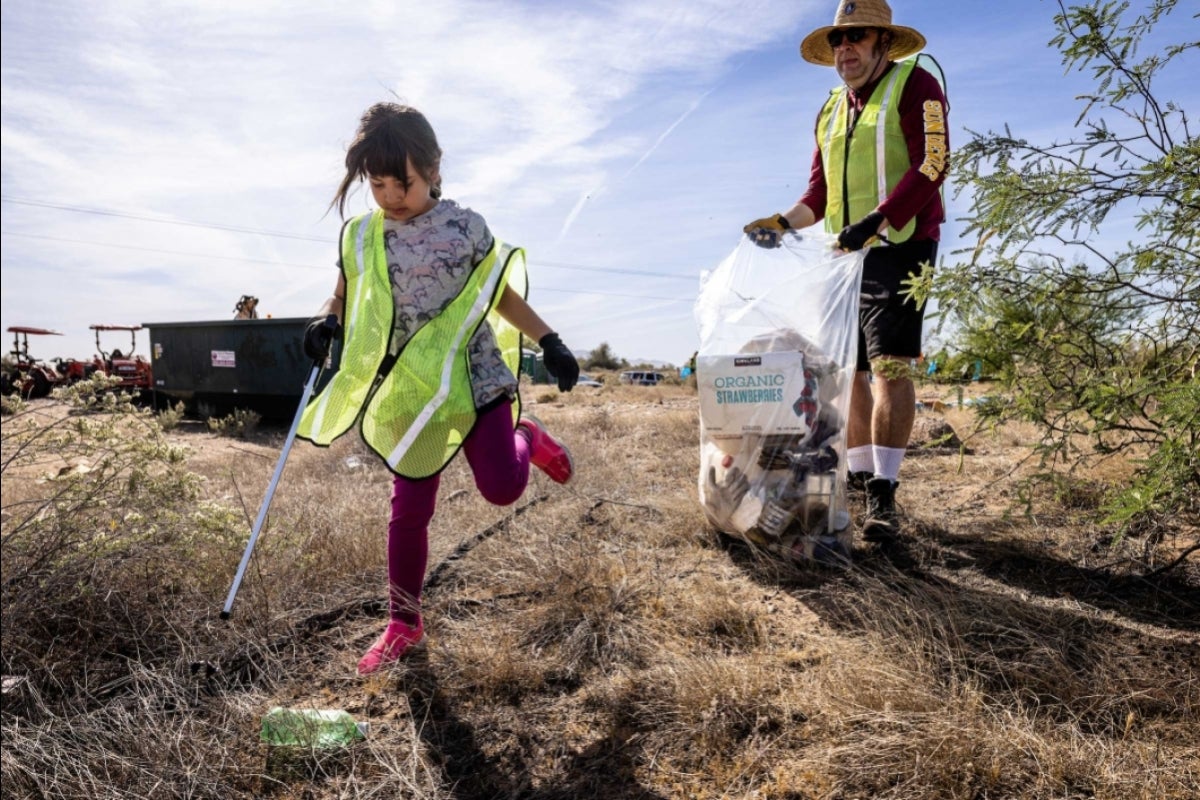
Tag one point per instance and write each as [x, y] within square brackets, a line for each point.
[887, 462]
[861, 459]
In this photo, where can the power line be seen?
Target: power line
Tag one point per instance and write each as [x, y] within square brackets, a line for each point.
[163, 252]
[618, 294]
[639, 272]
[160, 220]
[293, 264]
[300, 237]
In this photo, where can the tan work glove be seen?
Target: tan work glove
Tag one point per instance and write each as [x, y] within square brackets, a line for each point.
[768, 231]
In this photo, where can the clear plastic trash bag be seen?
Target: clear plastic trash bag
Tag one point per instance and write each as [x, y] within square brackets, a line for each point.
[778, 347]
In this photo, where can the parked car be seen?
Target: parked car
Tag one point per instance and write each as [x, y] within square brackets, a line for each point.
[587, 380]
[641, 378]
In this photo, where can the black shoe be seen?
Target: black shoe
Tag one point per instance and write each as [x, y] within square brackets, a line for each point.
[856, 482]
[881, 523]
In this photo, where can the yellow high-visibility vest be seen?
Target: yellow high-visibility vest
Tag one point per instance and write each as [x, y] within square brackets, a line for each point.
[415, 409]
[877, 150]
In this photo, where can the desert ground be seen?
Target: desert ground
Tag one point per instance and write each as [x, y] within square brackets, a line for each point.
[601, 640]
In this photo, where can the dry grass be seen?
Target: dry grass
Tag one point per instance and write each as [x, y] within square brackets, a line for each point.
[596, 640]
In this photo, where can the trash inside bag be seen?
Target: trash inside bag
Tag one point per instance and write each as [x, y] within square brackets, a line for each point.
[778, 346]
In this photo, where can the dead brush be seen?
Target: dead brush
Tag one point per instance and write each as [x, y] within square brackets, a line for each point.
[115, 556]
[593, 640]
[707, 614]
[578, 601]
[499, 668]
[133, 743]
[989, 696]
[323, 542]
[711, 720]
[103, 528]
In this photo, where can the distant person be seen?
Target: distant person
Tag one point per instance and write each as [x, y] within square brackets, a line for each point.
[246, 308]
[417, 277]
[864, 195]
[689, 370]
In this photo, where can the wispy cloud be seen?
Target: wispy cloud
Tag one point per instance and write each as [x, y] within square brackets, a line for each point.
[239, 112]
[617, 134]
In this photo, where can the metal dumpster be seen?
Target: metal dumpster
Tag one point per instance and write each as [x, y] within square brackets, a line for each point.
[216, 366]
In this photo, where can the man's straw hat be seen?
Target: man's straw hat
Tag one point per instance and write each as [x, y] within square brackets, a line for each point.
[861, 14]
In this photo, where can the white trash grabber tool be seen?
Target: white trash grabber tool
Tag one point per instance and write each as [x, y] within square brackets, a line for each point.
[330, 322]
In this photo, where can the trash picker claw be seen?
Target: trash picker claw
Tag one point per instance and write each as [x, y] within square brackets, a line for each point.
[313, 375]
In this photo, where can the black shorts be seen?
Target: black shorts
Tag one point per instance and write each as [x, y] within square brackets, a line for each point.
[889, 324]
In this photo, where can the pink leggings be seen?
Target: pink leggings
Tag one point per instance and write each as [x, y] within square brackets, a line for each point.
[499, 459]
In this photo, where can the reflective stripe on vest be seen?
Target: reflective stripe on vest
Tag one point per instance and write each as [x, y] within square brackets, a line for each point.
[879, 143]
[416, 414]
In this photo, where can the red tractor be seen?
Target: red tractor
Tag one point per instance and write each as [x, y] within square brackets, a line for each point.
[133, 370]
[24, 375]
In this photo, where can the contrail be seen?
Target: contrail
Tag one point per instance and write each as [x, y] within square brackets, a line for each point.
[695, 104]
[596, 192]
[583, 198]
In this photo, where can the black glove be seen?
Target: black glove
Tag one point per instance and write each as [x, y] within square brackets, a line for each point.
[853, 237]
[319, 335]
[768, 231]
[559, 361]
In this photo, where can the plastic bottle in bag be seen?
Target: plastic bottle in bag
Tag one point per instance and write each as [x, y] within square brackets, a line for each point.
[311, 727]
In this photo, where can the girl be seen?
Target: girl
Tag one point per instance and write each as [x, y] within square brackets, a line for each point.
[423, 368]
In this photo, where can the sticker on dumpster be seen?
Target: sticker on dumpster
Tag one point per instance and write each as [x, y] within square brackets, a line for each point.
[224, 358]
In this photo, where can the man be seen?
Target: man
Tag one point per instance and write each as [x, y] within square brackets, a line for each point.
[246, 308]
[867, 196]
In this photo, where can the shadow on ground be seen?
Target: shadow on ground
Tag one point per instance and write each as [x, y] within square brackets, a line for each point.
[604, 769]
[1170, 599]
[1019, 623]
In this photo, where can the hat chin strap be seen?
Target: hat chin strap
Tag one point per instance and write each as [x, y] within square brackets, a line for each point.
[879, 68]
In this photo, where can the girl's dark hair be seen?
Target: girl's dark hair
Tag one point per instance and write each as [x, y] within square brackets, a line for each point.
[388, 135]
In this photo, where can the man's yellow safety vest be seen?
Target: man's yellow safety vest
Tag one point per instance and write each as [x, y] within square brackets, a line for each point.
[877, 151]
[414, 409]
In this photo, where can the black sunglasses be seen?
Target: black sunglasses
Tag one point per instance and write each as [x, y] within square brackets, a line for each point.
[852, 35]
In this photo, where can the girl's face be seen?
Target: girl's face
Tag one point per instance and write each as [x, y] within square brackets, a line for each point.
[401, 201]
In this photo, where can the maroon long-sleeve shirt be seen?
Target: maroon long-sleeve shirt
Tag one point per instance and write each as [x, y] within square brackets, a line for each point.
[917, 195]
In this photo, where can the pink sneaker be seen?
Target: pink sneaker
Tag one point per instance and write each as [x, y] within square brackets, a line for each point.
[545, 452]
[396, 641]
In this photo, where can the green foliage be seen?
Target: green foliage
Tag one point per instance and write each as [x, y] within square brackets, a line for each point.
[602, 358]
[170, 418]
[893, 369]
[1095, 341]
[240, 424]
[11, 404]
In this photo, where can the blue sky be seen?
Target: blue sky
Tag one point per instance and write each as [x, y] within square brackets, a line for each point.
[160, 159]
